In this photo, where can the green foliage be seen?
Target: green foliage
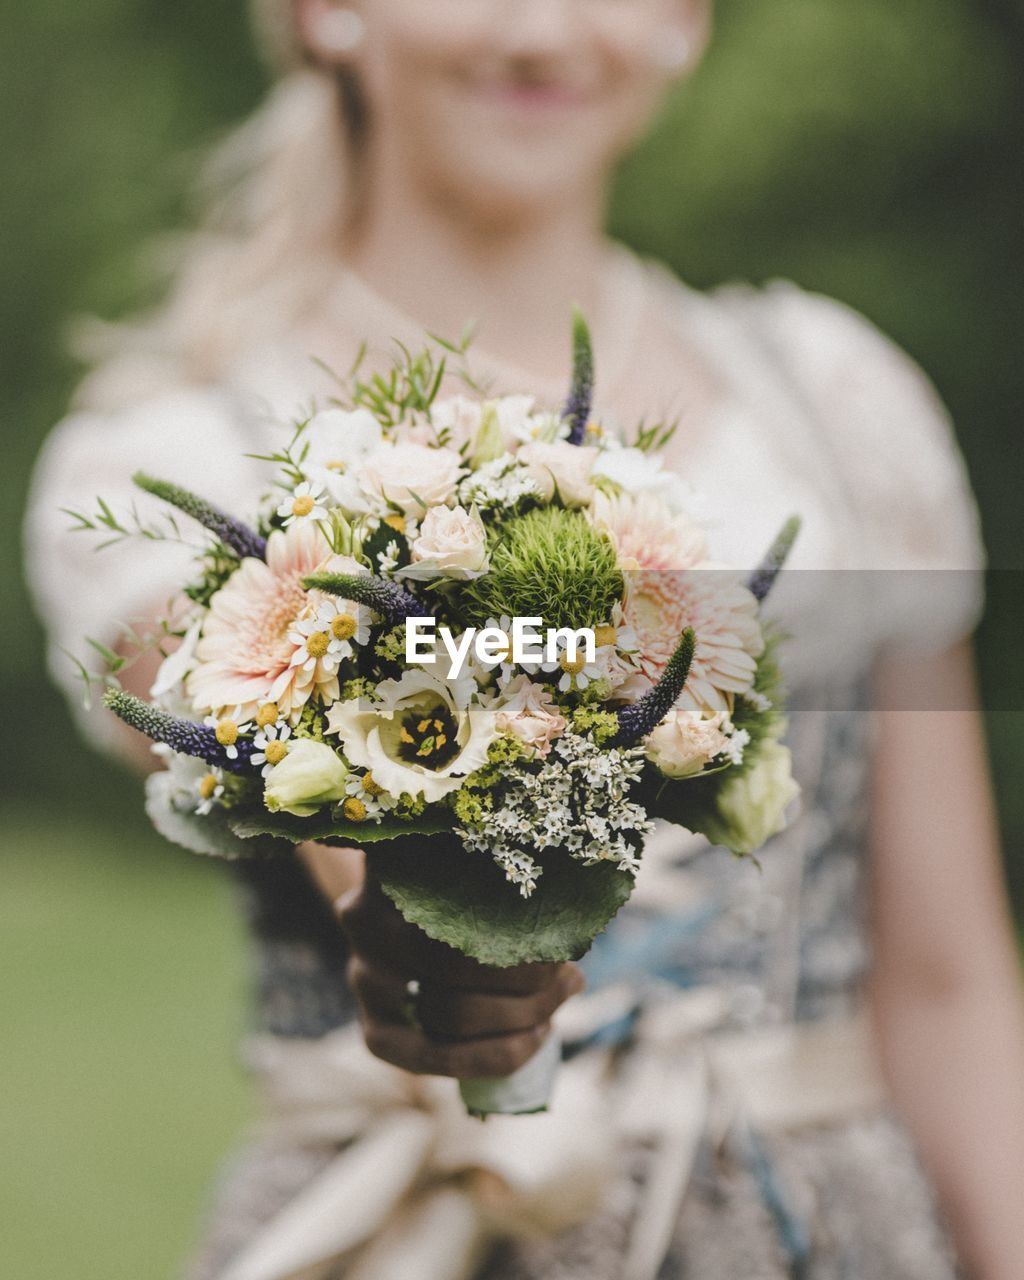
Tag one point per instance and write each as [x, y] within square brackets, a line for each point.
[602, 725]
[325, 828]
[464, 899]
[218, 564]
[551, 564]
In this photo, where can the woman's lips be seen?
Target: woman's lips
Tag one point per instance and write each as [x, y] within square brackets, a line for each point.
[534, 99]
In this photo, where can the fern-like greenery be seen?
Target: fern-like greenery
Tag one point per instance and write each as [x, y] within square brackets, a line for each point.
[551, 564]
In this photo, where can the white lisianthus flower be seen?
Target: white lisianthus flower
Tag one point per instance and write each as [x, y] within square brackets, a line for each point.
[752, 805]
[685, 742]
[411, 477]
[336, 442]
[310, 776]
[526, 710]
[562, 466]
[636, 471]
[452, 543]
[420, 735]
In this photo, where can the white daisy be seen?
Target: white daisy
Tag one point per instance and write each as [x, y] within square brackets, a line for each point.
[271, 745]
[504, 665]
[305, 503]
[365, 798]
[347, 623]
[318, 651]
[577, 672]
[227, 731]
[210, 788]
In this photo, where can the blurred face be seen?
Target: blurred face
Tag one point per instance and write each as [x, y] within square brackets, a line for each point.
[511, 103]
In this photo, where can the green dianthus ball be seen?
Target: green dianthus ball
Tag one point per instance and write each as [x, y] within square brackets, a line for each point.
[551, 564]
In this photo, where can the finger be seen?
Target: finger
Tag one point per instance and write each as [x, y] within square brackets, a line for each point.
[447, 1013]
[496, 1056]
[377, 930]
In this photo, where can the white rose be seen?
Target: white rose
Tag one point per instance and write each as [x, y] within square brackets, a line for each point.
[561, 465]
[752, 804]
[337, 441]
[527, 711]
[311, 775]
[419, 735]
[394, 473]
[451, 542]
[685, 742]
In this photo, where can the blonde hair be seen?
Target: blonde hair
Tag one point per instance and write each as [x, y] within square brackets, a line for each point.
[277, 194]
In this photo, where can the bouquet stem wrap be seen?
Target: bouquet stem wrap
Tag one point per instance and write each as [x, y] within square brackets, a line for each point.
[524, 1092]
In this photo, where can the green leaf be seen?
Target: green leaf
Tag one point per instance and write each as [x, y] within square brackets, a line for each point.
[327, 830]
[463, 899]
[210, 834]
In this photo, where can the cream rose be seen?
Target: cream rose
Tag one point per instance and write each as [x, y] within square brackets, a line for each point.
[527, 711]
[310, 776]
[410, 476]
[562, 466]
[419, 735]
[685, 742]
[752, 805]
[451, 543]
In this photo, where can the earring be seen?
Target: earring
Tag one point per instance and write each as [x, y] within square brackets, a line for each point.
[340, 31]
[672, 52]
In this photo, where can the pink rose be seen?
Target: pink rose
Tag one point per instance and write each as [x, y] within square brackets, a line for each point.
[527, 712]
[685, 742]
[560, 465]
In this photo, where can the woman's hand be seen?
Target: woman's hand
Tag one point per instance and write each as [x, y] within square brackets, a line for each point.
[468, 1020]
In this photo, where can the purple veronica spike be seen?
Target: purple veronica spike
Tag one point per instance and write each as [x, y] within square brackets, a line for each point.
[640, 719]
[392, 602]
[233, 533]
[182, 735]
[763, 578]
[577, 407]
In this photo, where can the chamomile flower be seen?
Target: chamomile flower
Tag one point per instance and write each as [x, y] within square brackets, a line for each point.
[305, 503]
[318, 651]
[209, 788]
[227, 731]
[271, 745]
[576, 671]
[504, 665]
[347, 624]
[365, 798]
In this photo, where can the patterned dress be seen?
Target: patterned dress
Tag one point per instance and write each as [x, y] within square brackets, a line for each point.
[822, 416]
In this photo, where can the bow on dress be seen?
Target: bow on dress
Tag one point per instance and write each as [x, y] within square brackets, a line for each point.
[419, 1188]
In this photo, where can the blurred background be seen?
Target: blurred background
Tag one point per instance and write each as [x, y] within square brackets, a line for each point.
[868, 150]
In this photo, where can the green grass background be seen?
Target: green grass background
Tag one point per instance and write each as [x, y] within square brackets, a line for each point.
[863, 148]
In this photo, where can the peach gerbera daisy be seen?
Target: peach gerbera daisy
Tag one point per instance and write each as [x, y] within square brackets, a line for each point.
[245, 655]
[660, 605]
[646, 534]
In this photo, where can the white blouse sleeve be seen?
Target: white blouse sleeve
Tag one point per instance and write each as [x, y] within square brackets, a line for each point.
[193, 437]
[892, 439]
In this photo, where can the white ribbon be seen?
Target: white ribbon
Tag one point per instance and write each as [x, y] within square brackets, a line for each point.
[421, 1189]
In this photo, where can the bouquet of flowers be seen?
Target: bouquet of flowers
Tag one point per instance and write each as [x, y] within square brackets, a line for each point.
[479, 639]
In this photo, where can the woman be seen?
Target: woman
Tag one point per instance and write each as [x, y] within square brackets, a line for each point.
[419, 165]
